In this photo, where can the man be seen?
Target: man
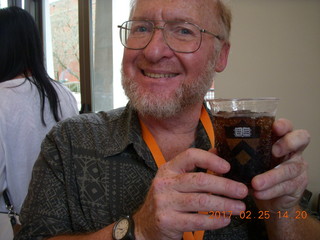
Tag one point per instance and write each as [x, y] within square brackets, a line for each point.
[148, 160]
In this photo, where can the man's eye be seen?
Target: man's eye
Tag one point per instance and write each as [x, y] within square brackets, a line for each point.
[142, 29]
[139, 29]
[185, 31]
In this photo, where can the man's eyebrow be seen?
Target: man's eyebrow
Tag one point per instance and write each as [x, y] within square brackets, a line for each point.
[176, 19]
[185, 19]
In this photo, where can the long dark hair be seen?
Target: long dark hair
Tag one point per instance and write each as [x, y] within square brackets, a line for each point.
[21, 53]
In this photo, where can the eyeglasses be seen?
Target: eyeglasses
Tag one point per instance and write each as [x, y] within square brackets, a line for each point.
[183, 37]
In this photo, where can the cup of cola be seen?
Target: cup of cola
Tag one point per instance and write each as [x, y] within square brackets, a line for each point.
[243, 134]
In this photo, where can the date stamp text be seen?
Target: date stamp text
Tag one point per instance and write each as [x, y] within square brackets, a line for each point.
[261, 215]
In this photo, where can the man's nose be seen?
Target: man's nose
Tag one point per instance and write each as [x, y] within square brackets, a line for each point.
[157, 48]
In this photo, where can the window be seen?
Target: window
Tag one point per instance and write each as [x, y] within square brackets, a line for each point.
[61, 43]
[3, 3]
[107, 53]
[83, 50]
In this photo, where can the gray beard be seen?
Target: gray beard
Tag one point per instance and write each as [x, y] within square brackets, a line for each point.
[156, 106]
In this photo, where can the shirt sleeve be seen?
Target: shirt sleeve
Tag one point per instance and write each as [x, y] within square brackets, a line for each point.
[45, 212]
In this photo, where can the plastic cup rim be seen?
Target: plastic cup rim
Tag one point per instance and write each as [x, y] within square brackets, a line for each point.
[243, 99]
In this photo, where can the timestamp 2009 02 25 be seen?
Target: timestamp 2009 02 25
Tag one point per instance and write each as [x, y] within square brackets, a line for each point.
[261, 215]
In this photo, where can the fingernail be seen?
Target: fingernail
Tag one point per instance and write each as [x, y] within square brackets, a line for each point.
[241, 191]
[240, 207]
[226, 220]
[225, 166]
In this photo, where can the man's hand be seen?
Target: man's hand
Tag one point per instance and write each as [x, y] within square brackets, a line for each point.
[177, 194]
[281, 188]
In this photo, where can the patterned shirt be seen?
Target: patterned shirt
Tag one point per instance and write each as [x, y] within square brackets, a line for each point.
[94, 169]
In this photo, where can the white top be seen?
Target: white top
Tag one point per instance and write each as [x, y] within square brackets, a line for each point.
[21, 134]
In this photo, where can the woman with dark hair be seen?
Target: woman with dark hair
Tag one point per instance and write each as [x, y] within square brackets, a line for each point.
[30, 103]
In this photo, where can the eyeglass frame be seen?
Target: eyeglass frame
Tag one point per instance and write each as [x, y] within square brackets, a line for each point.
[201, 30]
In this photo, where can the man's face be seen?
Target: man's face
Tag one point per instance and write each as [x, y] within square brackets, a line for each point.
[160, 82]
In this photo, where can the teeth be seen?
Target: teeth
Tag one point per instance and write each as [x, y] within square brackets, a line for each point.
[155, 75]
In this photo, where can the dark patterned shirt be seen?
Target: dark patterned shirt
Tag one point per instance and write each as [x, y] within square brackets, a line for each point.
[94, 169]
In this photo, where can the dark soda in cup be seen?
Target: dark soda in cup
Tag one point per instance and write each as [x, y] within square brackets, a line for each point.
[243, 135]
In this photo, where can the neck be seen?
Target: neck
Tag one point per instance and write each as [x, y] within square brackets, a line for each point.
[20, 76]
[176, 134]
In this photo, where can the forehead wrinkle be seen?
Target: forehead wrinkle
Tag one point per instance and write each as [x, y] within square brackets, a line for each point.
[200, 12]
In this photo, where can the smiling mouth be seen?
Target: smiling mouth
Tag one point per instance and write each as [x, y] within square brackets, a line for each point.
[160, 75]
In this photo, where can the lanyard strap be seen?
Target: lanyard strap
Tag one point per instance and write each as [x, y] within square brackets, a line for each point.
[207, 124]
[159, 158]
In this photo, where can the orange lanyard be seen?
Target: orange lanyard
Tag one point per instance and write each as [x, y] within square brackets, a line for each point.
[159, 159]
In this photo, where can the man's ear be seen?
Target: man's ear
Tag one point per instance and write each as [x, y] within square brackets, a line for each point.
[222, 59]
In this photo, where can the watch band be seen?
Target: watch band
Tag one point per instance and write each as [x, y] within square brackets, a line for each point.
[130, 234]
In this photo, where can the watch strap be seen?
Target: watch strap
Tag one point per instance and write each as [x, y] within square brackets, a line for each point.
[130, 233]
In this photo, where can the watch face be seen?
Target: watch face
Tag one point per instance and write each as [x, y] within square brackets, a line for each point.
[121, 229]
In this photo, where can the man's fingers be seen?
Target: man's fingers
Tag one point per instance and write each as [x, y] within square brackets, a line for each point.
[203, 182]
[288, 179]
[290, 188]
[204, 202]
[192, 158]
[283, 172]
[282, 126]
[189, 222]
[291, 141]
[295, 141]
[195, 222]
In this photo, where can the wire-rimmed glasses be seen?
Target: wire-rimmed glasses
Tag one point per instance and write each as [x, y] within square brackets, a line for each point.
[180, 36]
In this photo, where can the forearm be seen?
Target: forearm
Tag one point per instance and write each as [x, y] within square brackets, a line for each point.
[103, 234]
[287, 226]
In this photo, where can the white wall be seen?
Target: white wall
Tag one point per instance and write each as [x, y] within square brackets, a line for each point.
[276, 52]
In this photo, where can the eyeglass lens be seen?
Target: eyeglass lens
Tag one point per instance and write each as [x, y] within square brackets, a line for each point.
[180, 36]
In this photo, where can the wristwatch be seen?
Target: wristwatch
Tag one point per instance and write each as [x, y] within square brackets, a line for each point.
[123, 229]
